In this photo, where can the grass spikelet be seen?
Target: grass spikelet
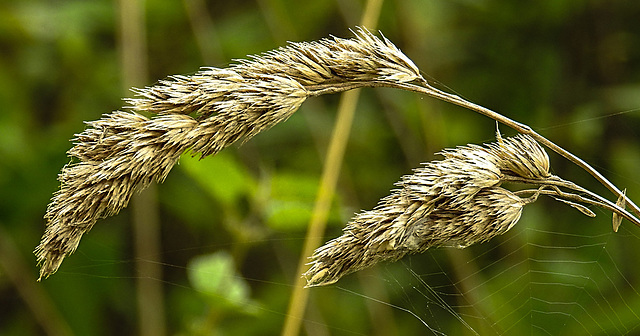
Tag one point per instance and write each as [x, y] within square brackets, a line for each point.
[521, 156]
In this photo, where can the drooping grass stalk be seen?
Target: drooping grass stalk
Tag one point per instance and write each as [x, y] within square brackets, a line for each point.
[125, 151]
[425, 88]
[522, 128]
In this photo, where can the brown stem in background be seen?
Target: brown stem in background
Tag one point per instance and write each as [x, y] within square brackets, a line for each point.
[146, 223]
[203, 31]
[34, 295]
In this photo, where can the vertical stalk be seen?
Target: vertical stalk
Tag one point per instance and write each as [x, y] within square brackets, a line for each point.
[328, 182]
[33, 294]
[204, 31]
[146, 224]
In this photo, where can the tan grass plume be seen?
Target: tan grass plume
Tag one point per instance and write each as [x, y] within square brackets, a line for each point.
[125, 151]
[458, 201]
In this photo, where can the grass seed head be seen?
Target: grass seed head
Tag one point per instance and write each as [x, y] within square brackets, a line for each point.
[125, 151]
[457, 201]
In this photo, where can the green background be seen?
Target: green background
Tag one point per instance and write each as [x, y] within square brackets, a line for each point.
[569, 69]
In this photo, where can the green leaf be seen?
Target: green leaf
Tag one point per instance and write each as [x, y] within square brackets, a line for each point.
[221, 176]
[214, 276]
[291, 201]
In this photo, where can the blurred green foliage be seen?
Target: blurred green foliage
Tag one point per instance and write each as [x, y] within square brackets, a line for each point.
[570, 69]
[214, 276]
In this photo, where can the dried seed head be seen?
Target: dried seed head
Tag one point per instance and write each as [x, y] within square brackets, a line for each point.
[125, 151]
[453, 202]
[463, 172]
[329, 62]
[335, 60]
[457, 202]
[212, 91]
[204, 113]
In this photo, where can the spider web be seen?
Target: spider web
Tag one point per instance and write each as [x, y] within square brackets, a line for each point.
[556, 272]
[572, 276]
[534, 281]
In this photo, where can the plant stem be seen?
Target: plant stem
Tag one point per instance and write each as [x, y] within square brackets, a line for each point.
[522, 128]
[145, 217]
[430, 91]
[594, 200]
[15, 270]
[329, 179]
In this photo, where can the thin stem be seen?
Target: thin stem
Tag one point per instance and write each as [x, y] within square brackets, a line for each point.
[145, 217]
[16, 271]
[330, 88]
[578, 198]
[522, 128]
[330, 173]
[558, 182]
[204, 31]
[321, 209]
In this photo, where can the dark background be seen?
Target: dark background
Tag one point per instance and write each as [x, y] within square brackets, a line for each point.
[569, 69]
